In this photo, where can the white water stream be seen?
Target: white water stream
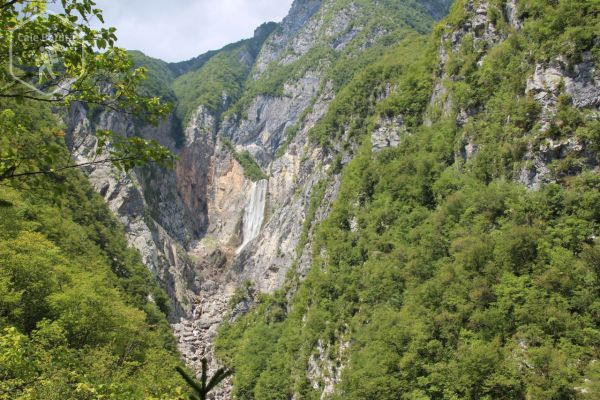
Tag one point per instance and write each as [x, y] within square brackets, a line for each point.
[254, 213]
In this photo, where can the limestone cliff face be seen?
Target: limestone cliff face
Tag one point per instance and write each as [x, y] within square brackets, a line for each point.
[263, 131]
[234, 250]
[157, 232]
[582, 83]
[289, 36]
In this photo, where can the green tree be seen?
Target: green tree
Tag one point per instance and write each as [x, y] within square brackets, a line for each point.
[104, 78]
[203, 387]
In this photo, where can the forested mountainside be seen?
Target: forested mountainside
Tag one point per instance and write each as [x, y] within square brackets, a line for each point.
[460, 257]
[391, 199]
[81, 317]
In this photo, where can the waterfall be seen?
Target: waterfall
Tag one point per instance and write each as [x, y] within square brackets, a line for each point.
[254, 213]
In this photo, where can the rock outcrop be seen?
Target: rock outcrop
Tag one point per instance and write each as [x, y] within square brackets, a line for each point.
[581, 82]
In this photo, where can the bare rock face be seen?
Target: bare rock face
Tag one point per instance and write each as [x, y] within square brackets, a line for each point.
[388, 133]
[511, 14]
[191, 177]
[160, 248]
[227, 197]
[581, 83]
[323, 372]
[269, 118]
[537, 172]
[479, 26]
[299, 16]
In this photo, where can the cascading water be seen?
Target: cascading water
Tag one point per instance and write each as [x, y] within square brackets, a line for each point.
[254, 213]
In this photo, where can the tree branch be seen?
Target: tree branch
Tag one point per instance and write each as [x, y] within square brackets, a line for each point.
[61, 99]
[12, 175]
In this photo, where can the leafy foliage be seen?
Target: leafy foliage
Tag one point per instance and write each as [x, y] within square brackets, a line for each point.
[104, 79]
[220, 79]
[251, 168]
[80, 315]
[159, 77]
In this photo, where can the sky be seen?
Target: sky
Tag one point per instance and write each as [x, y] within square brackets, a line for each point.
[177, 30]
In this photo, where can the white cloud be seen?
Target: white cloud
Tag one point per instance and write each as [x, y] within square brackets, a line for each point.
[177, 30]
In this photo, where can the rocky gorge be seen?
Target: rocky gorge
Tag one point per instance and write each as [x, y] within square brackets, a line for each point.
[237, 214]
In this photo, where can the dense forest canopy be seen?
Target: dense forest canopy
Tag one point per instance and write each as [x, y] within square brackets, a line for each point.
[437, 276]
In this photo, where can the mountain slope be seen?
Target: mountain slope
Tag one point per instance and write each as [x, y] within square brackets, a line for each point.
[437, 274]
[218, 82]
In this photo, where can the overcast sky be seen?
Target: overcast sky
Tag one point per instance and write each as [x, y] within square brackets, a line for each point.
[177, 30]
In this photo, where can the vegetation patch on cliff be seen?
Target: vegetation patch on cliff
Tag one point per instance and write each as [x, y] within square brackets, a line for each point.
[251, 168]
